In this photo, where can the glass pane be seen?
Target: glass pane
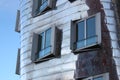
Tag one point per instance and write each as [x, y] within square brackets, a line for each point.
[44, 52]
[91, 40]
[43, 5]
[90, 27]
[47, 50]
[80, 44]
[45, 43]
[80, 31]
[42, 41]
[48, 38]
[41, 54]
[98, 78]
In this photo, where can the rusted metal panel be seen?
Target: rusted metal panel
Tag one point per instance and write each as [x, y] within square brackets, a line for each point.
[98, 61]
[91, 63]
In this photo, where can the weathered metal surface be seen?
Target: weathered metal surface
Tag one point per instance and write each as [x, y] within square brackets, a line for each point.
[86, 64]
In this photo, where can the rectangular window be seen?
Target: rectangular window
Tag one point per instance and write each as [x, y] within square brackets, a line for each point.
[41, 6]
[86, 33]
[80, 34]
[46, 44]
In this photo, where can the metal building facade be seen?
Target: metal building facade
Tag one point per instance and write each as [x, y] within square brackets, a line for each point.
[104, 60]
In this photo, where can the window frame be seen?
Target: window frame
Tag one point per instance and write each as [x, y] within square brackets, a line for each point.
[73, 42]
[36, 7]
[44, 32]
[104, 75]
[55, 46]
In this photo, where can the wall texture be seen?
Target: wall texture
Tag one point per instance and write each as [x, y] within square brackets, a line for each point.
[107, 58]
[63, 68]
[54, 69]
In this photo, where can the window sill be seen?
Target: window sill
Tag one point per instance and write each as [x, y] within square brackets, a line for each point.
[45, 58]
[42, 60]
[87, 48]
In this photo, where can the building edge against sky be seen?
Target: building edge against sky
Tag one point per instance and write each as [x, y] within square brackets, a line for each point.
[69, 40]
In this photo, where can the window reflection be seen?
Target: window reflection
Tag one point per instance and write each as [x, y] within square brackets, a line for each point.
[45, 43]
[86, 33]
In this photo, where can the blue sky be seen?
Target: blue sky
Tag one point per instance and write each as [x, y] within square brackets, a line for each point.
[9, 39]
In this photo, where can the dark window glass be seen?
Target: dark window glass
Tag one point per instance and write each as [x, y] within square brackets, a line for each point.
[91, 37]
[80, 34]
[86, 33]
[90, 27]
[40, 7]
[81, 31]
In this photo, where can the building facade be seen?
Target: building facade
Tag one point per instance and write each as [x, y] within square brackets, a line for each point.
[68, 40]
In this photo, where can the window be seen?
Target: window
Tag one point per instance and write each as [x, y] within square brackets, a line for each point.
[85, 33]
[41, 6]
[46, 45]
[104, 76]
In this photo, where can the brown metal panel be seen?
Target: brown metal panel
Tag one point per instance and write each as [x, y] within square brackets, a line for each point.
[99, 61]
[91, 63]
